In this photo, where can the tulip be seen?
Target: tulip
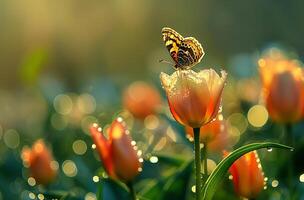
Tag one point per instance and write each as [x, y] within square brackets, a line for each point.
[39, 160]
[194, 98]
[118, 154]
[247, 175]
[214, 134]
[283, 88]
[141, 99]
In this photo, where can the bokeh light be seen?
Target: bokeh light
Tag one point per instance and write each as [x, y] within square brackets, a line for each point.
[69, 168]
[257, 116]
[79, 147]
[63, 104]
[11, 138]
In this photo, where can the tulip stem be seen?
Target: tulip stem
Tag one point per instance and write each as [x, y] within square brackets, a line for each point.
[197, 151]
[204, 152]
[132, 191]
[291, 142]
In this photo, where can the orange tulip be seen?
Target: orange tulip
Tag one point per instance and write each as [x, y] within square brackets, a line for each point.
[39, 160]
[247, 175]
[283, 88]
[117, 153]
[194, 98]
[214, 134]
[141, 99]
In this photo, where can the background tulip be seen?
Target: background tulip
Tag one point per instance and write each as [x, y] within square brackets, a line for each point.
[215, 134]
[141, 99]
[247, 175]
[117, 153]
[39, 160]
[283, 88]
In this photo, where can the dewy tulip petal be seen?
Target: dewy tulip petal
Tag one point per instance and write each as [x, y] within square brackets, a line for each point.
[194, 98]
[125, 159]
[118, 155]
[104, 149]
[248, 177]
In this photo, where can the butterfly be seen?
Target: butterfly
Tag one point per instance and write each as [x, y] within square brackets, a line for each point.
[186, 52]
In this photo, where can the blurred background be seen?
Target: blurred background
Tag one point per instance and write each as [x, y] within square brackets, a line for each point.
[66, 64]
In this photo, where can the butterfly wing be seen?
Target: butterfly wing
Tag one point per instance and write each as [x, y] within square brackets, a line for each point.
[189, 53]
[172, 40]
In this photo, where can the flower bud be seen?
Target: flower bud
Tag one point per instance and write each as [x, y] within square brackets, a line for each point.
[141, 99]
[118, 154]
[39, 160]
[247, 175]
[283, 88]
[214, 134]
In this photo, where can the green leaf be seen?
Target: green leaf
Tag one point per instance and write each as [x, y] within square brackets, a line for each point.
[113, 190]
[173, 186]
[219, 172]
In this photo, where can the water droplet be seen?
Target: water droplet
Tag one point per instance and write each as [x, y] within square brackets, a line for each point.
[292, 149]
[269, 149]
[193, 189]
[153, 159]
[95, 179]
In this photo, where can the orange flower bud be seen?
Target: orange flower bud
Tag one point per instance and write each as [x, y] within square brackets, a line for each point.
[39, 160]
[215, 134]
[194, 98]
[117, 153]
[141, 99]
[283, 88]
[247, 175]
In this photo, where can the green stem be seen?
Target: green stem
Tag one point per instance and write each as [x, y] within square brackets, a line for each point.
[197, 162]
[290, 139]
[132, 191]
[204, 152]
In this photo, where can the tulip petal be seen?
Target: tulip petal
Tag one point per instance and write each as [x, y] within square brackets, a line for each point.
[125, 159]
[103, 147]
[194, 98]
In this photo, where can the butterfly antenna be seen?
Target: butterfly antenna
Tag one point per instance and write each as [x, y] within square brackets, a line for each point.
[164, 61]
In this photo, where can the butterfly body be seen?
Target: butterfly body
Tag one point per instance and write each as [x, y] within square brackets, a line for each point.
[186, 52]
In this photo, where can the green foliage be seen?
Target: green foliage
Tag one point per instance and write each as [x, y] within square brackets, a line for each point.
[217, 175]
